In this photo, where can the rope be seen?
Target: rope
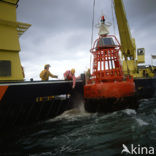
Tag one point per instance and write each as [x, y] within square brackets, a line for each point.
[92, 31]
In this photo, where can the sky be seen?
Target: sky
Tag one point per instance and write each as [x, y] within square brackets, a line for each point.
[60, 32]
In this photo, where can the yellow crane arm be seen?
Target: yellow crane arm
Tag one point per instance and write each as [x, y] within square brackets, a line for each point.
[128, 47]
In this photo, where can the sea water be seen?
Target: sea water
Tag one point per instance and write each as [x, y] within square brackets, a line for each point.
[76, 132]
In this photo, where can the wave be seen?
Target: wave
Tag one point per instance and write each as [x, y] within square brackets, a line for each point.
[130, 111]
[141, 122]
[72, 114]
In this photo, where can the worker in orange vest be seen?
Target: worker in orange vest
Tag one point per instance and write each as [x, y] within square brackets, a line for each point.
[45, 74]
[70, 75]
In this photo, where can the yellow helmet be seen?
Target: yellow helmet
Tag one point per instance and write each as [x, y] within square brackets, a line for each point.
[73, 71]
[47, 65]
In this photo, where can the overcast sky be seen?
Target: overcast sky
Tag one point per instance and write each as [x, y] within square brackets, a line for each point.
[60, 34]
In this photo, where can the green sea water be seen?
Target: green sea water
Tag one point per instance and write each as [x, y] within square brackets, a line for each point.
[76, 132]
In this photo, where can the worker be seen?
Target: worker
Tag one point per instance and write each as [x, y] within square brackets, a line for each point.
[44, 75]
[70, 75]
[87, 75]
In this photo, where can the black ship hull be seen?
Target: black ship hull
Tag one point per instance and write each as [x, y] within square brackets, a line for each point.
[30, 102]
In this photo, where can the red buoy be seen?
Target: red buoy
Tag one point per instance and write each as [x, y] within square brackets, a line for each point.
[107, 80]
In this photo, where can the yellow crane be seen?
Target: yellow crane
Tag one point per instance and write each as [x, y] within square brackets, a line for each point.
[128, 47]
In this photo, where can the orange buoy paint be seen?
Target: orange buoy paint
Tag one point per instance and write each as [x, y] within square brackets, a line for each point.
[117, 89]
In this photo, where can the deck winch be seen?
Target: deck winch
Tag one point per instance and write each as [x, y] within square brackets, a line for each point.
[107, 79]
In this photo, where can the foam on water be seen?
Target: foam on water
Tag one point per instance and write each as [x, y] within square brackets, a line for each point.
[141, 122]
[72, 114]
[130, 111]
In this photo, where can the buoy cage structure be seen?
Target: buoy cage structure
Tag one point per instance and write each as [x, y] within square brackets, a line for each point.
[107, 83]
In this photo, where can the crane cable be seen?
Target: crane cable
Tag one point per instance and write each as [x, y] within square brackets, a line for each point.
[92, 31]
[92, 23]
[113, 19]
